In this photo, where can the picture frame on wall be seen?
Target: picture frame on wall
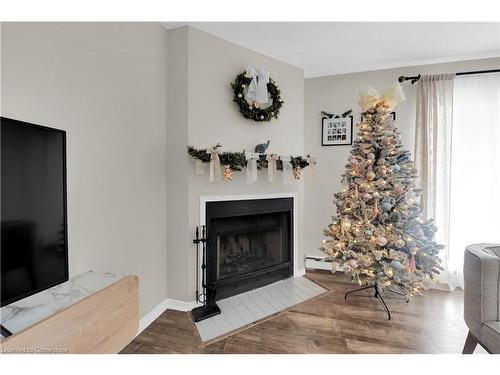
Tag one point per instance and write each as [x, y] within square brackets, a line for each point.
[336, 131]
[393, 114]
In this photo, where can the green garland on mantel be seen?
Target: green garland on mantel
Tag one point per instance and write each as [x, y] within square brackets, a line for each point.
[237, 161]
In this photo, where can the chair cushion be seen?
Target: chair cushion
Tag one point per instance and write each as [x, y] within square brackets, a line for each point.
[482, 284]
[490, 336]
[493, 251]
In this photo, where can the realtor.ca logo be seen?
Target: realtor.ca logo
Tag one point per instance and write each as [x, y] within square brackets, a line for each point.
[34, 350]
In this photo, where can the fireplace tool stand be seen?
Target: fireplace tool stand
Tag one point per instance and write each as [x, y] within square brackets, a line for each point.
[207, 296]
[379, 296]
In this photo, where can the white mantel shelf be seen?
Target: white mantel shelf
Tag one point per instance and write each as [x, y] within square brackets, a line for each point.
[26, 312]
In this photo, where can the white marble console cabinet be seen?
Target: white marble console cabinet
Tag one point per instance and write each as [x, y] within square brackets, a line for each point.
[90, 313]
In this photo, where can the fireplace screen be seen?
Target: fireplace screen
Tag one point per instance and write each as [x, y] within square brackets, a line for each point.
[246, 252]
[249, 243]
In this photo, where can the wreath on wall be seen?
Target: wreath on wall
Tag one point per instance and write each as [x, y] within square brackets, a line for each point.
[250, 106]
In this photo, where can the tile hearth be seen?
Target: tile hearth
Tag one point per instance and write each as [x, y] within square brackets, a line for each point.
[246, 308]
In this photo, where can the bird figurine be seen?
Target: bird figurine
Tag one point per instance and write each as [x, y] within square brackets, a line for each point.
[261, 148]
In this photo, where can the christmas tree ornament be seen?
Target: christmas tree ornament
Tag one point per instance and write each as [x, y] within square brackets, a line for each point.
[398, 190]
[395, 248]
[334, 228]
[328, 248]
[366, 261]
[370, 176]
[297, 173]
[386, 206]
[353, 263]
[386, 141]
[428, 232]
[228, 173]
[381, 241]
[396, 265]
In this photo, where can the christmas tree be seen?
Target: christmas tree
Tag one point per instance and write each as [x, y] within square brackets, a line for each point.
[378, 236]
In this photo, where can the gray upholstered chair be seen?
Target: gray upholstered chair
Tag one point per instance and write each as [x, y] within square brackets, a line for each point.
[482, 297]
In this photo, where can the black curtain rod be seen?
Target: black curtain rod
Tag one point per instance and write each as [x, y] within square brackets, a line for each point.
[414, 79]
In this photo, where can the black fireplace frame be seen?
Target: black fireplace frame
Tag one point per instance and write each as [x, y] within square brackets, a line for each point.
[254, 279]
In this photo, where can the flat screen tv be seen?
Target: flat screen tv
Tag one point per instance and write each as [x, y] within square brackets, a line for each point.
[34, 245]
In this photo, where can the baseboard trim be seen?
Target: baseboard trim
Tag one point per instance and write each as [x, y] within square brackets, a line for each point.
[169, 303]
[318, 264]
[152, 316]
[175, 304]
[300, 272]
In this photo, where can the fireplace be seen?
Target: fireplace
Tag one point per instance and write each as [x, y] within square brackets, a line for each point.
[249, 244]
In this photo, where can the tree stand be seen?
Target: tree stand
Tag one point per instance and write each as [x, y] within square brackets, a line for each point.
[379, 296]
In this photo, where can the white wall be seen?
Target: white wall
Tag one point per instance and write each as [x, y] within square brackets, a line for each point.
[105, 84]
[212, 117]
[337, 94]
[179, 238]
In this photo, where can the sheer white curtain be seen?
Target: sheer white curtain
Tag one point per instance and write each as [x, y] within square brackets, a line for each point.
[457, 152]
[433, 135]
[475, 168]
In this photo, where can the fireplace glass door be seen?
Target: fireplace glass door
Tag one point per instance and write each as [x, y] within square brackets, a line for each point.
[249, 243]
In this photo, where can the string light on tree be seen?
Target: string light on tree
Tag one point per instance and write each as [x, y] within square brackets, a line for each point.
[378, 236]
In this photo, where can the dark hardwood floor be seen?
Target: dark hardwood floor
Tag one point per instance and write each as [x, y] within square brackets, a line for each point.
[327, 324]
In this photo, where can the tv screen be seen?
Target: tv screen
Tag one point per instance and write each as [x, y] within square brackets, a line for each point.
[34, 252]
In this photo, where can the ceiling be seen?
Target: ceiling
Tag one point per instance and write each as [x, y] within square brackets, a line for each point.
[344, 47]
